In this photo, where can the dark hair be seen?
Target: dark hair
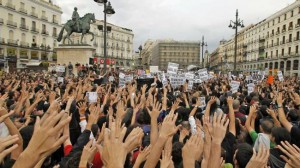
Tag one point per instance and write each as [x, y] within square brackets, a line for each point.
[281, 134]
[293, 115]
[243, 154]
[267, 126]
[177, 152]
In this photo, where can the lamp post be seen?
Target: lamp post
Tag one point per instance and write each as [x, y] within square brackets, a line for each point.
[140, 58]
[238, 22]
[202, 44]
[108, 10]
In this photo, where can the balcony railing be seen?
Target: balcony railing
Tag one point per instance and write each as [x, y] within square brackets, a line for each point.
[23, 56]
[296, 38]
[10, 6]
[12, 42]
[34, 14]
[24, 44]
[23, 27]
[291, 28]
[283, 30]
[289, 40]
[34, 45]
[35, 30]
[54, 35]
[1, 21]
[11, 23]
[44, 32]
[22, 10]
[297, 25]
[44, 18]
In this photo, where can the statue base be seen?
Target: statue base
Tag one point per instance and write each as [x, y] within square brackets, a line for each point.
[75, 54]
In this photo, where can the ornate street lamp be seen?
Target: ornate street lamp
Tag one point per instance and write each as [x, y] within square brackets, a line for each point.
[202, 44]
[237, 23]
[108, 10]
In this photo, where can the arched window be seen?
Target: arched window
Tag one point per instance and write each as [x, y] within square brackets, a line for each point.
[288, 65]
[271, 65]
[266, 65]
[11, 35]
[282, 65]
[276, 65]
[295, 64]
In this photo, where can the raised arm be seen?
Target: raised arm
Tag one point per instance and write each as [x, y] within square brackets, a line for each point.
[282, 118]
[232, 128]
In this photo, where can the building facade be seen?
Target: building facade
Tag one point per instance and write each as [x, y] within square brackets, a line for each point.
[28, 32]
[181, 52]
[273, 43]
[147, 53]
[119, 44]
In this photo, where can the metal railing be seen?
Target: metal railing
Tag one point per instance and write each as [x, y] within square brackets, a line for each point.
[12, 42]
[34, 14]
[10, 6]
[11, 23]
[23, 26]
[35, 30]
[45, 32]
[24, 44]
[22, 10]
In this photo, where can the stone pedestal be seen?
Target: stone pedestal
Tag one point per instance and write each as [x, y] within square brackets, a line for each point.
[74, 54]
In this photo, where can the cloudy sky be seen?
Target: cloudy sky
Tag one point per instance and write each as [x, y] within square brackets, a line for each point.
[178, 19]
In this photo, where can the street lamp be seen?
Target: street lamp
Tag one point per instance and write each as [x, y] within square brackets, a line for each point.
[108, 10]
[235, 26]
[140, 58]
[202, 44]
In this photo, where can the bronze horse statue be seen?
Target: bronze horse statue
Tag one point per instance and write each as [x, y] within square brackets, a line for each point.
[84, 28]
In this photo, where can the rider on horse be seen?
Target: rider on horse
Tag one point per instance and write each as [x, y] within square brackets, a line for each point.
[75, 18]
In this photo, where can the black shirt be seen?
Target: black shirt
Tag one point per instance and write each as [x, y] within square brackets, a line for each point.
[295, 134]
[228, 146]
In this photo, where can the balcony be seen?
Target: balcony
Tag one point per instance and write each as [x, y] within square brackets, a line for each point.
[54, 35]
[44, 18]
[128, 40]
[272, 35]
[34, 45]
[289, 40]
[290, 28]
[296, 38]
[23, 56]
[118, 48]
[1, 21]
[277, 33]
[297, 25]
[34, 30]
[24, 27]
[276, 44]
[10, 6]
[22, 10]
[12, 42]
[33, 14]
[283, 30]
[24, 44]
[282, 42]
[55, 21]
[45, 32]
[11, 24]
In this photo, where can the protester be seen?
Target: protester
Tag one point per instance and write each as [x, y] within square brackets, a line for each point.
[118, 119]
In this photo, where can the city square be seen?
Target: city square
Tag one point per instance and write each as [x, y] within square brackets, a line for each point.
[170, 84]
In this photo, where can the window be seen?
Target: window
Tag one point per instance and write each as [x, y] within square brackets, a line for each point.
[296, 49]
[22, 5]
[284, 27]
[276, 53]
[278, 19]
[44, 41]
[292, 13]
[33, 9]
[276, 65]
[298, 23]
[10, 17]
[284, 16]
[43, 13]
[283, 40]
[282, 52]
[282, 65]
[11, 35]
[290, 25]
[43, 28]
[271, 54]
[290, 49]
[266, 54]
[54, 31]
[33, 25]
[290, 38]
[54, 19]
[295, 64]
[23, 22]
[288, 65]
[273, 22]
[23, 37]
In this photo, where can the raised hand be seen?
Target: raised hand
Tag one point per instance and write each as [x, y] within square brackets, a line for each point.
[155, 110]
[88, 154]
[168, 127]
[212, 100]
[143, 155]
[166, 159]
[190, 151]
[3, 99]
[292, 153]
[4, 115]
[220, 123]
[5, 145]
[137, 134]
[82, 108]
[259, 159]
[121, 110]
[229, 101]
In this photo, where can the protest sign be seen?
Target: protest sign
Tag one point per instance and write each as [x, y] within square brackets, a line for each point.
[154, 69]
[234, 86]
[250, 88]
[60, 80]
[190, 85]
[203, 103]
[92, 97]
[280, 76]
[267, 71]
[203, 75]
[172, 68]
[60, 69]
[111, 78]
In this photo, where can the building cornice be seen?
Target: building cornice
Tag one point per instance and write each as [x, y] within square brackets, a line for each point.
[48, 5]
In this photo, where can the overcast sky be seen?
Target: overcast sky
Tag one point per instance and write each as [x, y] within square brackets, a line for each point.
[178, 19]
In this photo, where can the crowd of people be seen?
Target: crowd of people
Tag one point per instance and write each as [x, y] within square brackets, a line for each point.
[46, 123]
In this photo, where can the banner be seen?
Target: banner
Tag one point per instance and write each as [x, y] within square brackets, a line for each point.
[60, 79]
[92, 97]
[203, 103]
[60, 69]
[154, 69]
[234, 86]
[203, 75]
[250, 88]
[280, 76]
[172, 68]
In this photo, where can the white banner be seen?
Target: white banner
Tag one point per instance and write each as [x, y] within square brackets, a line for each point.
[280, 76]
[203, 103]
[250, 88]
[172, 68]
[60, 79]
[234, 86]
[203, 75]
[92, 97]
[60, 69]
[154, 69]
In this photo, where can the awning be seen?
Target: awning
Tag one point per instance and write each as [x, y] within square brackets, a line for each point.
[35, 63]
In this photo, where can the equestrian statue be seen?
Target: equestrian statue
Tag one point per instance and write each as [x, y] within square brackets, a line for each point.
[77, 25]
